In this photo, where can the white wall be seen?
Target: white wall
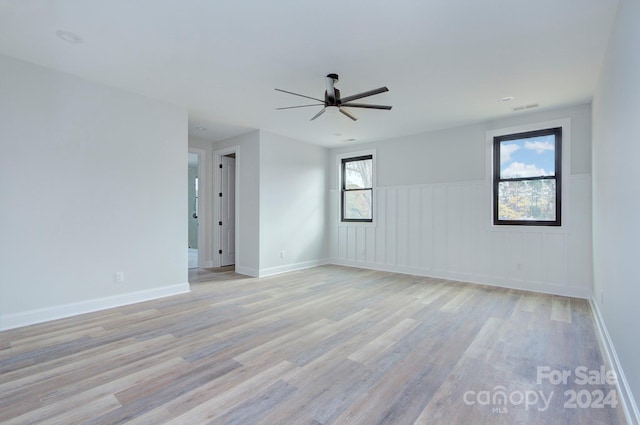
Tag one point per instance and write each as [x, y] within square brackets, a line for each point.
[282, 202]
[616, 192]
[293, 194]
[92, 181]
[433, 209]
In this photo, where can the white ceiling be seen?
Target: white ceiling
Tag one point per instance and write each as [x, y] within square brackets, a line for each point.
[446, 62]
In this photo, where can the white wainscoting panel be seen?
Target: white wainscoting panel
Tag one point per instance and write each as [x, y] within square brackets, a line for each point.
[444, 230]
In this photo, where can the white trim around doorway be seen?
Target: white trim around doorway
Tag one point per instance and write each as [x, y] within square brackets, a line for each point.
[217, 187]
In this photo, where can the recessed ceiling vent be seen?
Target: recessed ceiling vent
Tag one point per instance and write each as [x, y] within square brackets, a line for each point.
[525, 107]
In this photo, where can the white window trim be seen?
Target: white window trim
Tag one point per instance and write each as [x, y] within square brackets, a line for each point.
[339, 158]
[565, 124]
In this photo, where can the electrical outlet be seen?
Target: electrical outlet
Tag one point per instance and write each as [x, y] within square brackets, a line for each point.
[119, 277]
[281, 254]
[519, 267]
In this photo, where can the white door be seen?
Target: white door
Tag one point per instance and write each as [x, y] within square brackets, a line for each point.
[228, 211]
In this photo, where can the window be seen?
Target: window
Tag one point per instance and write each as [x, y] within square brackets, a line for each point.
[357, 189]
[527, 178]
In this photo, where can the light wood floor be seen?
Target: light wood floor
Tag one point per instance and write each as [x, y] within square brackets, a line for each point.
[199, 275]
[329, 345]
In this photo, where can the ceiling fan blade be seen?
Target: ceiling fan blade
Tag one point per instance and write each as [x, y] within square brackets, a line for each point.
[331, 92]
[301, 106]
[347, 113]
[301, 95]
[364, 94]
[365, 105]
[318, 114]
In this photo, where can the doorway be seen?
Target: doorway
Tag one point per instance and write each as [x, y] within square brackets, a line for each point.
[228, 210]
[226, 203]
[193, 209]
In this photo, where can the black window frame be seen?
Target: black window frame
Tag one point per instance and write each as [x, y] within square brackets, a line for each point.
[557, 132]
[344, 189]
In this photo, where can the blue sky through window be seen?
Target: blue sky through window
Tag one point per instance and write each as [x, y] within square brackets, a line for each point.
[530, 157]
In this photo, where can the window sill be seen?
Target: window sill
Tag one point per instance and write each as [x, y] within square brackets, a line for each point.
[357, 224]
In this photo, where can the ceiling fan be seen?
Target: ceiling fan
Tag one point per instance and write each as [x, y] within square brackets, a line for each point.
[332, 99]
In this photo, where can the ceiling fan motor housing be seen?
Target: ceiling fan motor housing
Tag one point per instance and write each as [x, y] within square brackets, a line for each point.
[331, 94]
[332, 102]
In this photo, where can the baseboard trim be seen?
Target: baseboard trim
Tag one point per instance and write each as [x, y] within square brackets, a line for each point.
[271, 271]
[32, 317]
[628, 403]
[247, 271]
[470, 278]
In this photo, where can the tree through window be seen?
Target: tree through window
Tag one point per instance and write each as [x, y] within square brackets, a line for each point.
[357, 189]
[526, 178]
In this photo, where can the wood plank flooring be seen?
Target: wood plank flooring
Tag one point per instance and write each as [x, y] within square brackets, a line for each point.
[328, 345]
[199, 275]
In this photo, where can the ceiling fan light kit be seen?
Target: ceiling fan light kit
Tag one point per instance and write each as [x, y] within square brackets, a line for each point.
[332, 99]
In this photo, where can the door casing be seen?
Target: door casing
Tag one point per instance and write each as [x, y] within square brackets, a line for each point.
[217, 212]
